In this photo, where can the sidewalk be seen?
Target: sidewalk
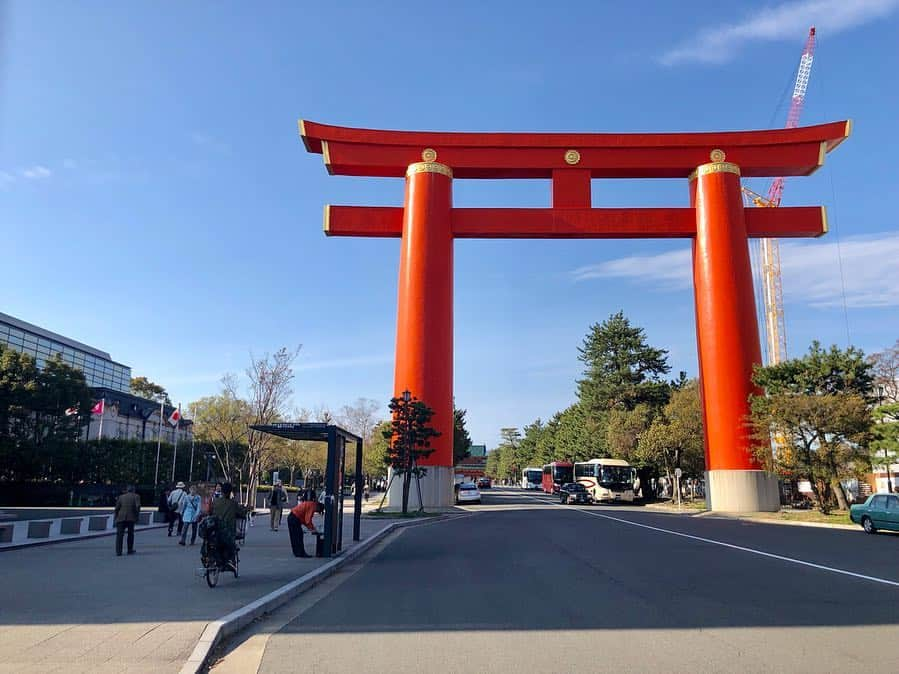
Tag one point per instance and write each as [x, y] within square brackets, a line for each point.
[76, 607]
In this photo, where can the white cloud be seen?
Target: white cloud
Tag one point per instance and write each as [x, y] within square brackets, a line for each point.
[37, 172]
[811, 271]
[670, 270]
[786, 21]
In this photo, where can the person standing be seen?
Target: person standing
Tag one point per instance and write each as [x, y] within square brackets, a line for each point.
[300, 516]
[276, 504]
[176, 505]
[191, 515]
[127, 511]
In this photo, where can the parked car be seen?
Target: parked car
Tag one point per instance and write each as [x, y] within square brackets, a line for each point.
[573, 493]
[468, 493]
[880, 511]
[484, 483]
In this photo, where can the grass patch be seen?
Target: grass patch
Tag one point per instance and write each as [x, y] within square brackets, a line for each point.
[835, 516]
[696, 504]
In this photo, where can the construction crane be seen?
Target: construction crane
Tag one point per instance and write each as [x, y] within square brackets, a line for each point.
[769, 253]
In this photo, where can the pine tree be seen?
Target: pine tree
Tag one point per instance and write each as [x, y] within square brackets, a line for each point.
[621, 370]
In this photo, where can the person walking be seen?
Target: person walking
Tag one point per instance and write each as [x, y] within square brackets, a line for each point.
[191, 516]
[127, 511]
[276, 504]
[300, 516]
[177, 501]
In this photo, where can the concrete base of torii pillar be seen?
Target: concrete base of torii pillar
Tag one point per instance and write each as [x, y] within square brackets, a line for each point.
[741, 491]
[436, 490]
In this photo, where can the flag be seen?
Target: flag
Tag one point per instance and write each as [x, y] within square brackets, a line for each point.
[175, 417]
[72, 411]
[99, 407]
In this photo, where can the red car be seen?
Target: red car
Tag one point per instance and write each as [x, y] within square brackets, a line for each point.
[484, 483]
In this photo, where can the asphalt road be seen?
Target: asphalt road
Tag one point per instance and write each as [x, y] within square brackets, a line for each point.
[522, 584]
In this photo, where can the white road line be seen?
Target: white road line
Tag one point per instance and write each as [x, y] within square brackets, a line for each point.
[762, 553]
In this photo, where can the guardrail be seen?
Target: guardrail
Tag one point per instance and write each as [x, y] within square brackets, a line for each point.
[57, 529]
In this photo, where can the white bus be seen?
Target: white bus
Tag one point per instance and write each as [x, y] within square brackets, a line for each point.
[531, 478]
[606, 479]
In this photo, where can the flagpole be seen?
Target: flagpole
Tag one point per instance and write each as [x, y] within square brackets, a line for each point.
[190, 471]
[102, 414]
[175, 433]
[158, 443]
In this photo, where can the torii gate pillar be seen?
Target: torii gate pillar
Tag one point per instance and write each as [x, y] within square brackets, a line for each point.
[424, 322]
[727, 340]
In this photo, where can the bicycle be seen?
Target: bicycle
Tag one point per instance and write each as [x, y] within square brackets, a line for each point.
[211, 557]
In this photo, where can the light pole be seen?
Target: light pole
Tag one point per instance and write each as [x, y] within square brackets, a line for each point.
[881, 390]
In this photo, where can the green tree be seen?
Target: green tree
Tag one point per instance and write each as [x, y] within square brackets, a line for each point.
[885, 436]
[374, 454]
[581, 436]
[674, 439]
[410, 436]
[624, 429]
[221, 422]
[621, 370]
[61, 403]
[143, 387]
[461, 436]
[19, 388]
[818, 410]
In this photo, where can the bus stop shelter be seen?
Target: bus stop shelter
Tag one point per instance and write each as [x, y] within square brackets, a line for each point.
[338, 440]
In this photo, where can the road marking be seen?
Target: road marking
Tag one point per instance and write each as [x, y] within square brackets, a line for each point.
[762, 553]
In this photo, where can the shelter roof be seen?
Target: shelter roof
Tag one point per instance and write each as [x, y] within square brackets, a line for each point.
[312, 431]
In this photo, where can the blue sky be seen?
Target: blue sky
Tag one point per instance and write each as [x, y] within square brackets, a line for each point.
[158, 204]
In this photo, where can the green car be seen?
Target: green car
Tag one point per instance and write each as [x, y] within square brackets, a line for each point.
[880, 511]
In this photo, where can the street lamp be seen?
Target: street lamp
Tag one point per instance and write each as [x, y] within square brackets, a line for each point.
[881, 394]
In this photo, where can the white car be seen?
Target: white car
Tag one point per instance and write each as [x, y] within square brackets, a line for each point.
[468, 493]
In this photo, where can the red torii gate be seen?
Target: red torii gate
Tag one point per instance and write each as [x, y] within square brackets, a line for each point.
[726, 329]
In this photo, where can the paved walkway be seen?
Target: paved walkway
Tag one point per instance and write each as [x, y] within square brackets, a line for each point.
[76, 607]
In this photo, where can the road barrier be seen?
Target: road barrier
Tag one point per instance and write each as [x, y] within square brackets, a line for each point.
[25, 533]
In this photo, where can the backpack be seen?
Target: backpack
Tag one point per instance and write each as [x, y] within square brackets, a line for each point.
[178, 504]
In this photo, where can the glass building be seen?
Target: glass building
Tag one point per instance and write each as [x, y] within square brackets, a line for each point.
[98, 367]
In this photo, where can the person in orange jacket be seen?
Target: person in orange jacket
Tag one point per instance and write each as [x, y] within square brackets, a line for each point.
[301, 515]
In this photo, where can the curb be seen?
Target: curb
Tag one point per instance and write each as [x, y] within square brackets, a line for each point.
[236, 620]
[790, 523]
[75, 537]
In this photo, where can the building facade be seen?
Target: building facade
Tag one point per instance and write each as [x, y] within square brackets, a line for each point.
[99, 368]
[125, 416]
[129, 417]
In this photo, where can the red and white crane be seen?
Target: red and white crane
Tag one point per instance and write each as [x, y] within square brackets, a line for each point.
[769, 254]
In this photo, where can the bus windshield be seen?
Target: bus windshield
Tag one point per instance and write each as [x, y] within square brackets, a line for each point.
[616, 475]
[563, 474]
[534, 476]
